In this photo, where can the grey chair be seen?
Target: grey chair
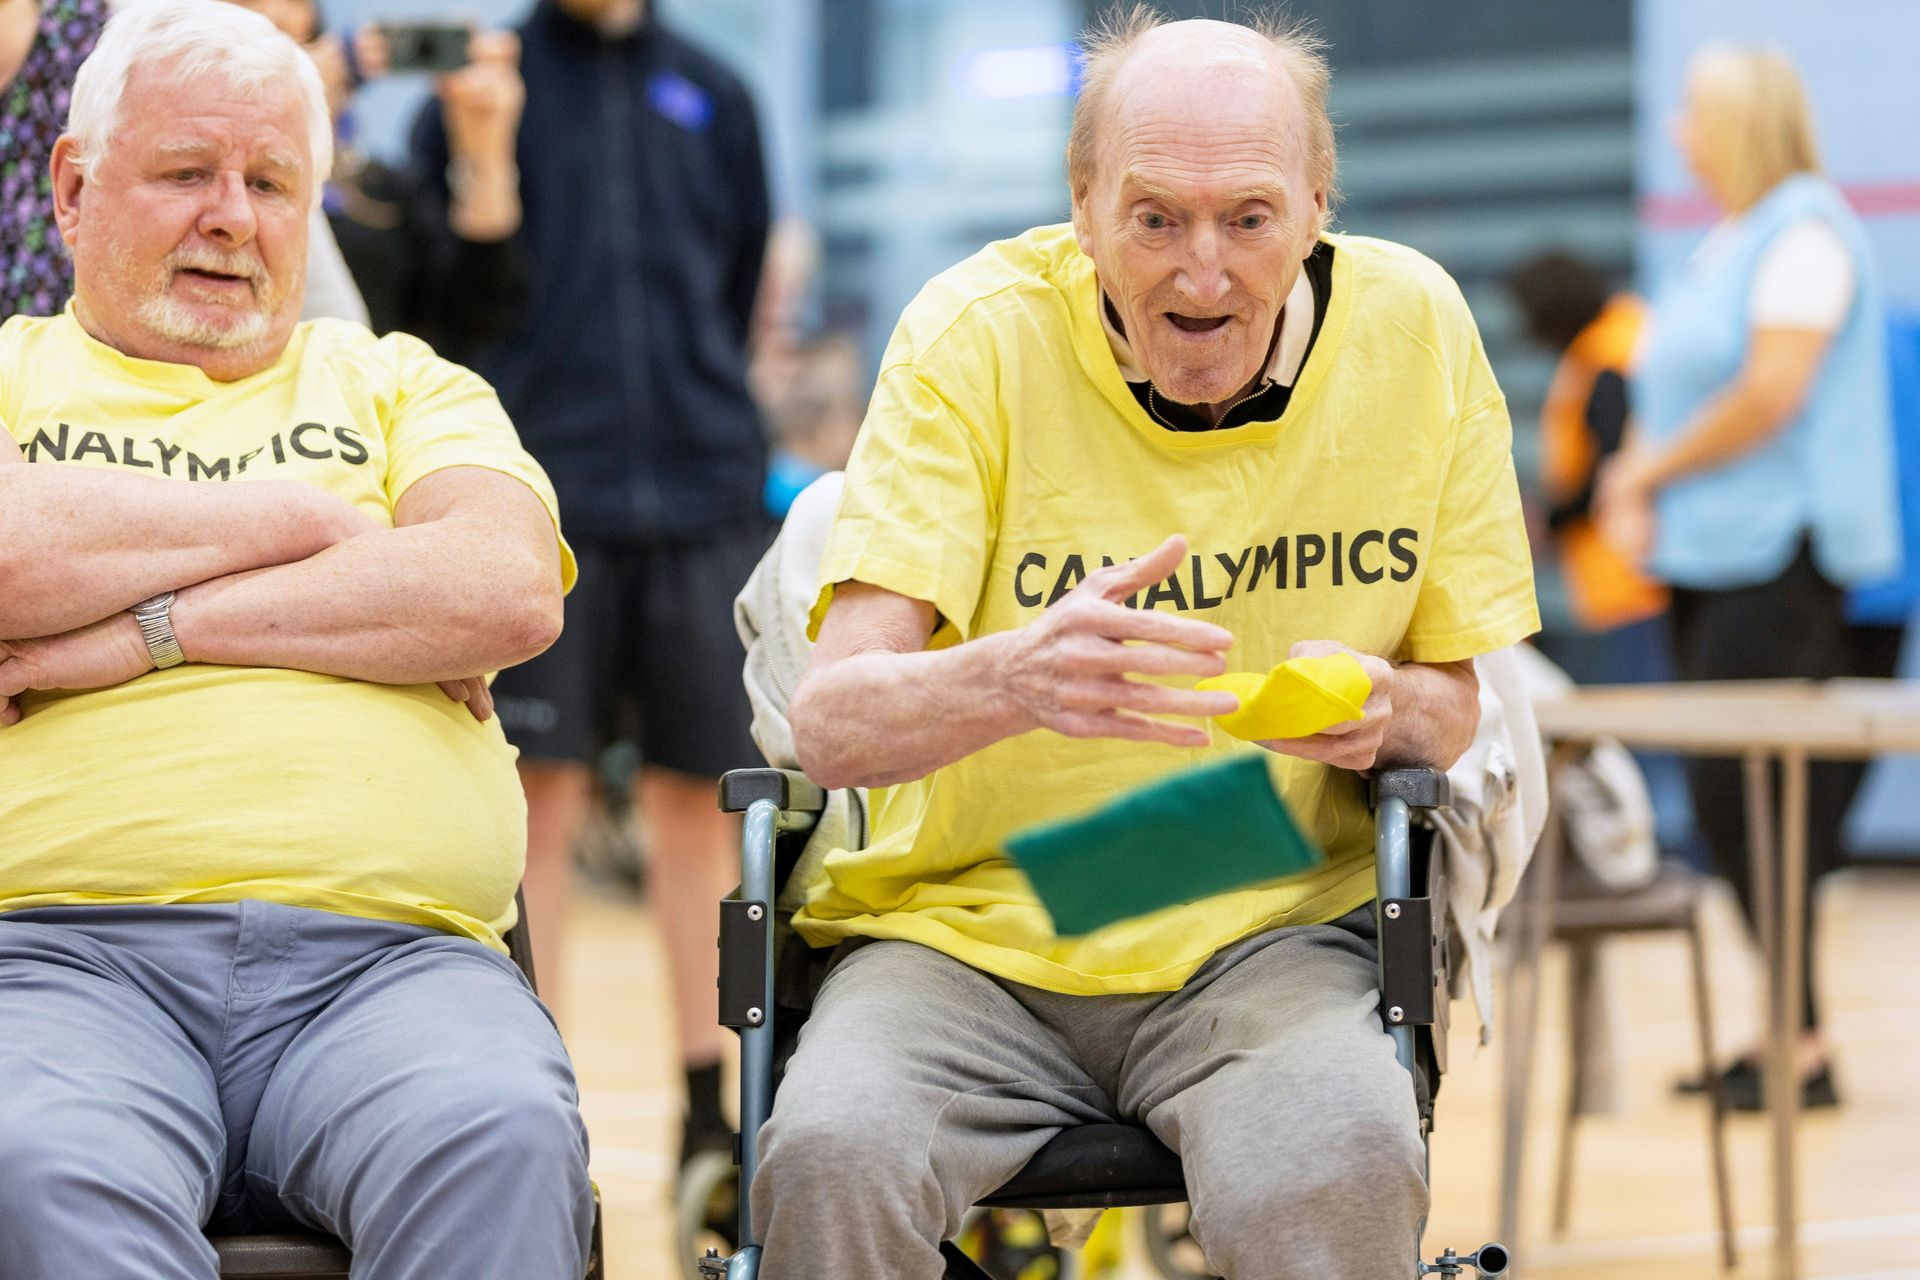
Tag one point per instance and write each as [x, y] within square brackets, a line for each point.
[1558, 902]
[309, 1256]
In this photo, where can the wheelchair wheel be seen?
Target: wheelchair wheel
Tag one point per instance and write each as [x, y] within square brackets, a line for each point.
[706, 1209]
[1170, 1244]
[1012, 1244]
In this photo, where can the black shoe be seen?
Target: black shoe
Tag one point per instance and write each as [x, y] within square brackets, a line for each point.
[1742, 1089]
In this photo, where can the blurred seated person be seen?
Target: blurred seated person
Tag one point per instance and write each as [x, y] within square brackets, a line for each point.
[1271, 441]
[814, 414]
[1571, 311]
[262, 833]
[1760, 481]
[431, 261]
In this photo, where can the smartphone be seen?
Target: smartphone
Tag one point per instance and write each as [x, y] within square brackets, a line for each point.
[426, 46]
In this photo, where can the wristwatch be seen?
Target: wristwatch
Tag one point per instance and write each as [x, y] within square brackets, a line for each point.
[155, 617]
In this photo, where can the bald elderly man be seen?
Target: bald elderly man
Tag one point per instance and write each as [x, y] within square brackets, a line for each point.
[256, 865]
[1191, 431]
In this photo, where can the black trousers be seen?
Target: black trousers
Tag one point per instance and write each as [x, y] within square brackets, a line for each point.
[1793, 626]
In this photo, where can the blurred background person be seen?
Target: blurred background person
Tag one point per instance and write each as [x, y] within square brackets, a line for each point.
[331, 292]
[431, 259]
[1570, 310]
[1760, 483]
[644, 225]
[813, 413]
[42, 44]
[812, 387]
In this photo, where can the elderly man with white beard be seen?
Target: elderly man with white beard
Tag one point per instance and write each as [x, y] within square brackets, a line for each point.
[1101, 458]
[261, 833]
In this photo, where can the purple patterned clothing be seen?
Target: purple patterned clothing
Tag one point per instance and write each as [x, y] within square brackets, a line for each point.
[35, 275]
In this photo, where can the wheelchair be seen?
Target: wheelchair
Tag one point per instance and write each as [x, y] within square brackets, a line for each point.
[1093, 1166]
[310, 1256]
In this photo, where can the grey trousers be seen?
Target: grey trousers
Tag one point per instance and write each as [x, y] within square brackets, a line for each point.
[921, 1084]
[257, 1067]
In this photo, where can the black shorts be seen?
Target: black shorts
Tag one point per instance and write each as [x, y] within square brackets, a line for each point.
[648, 654]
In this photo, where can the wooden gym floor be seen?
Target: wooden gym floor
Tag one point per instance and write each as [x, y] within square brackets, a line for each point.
[1642, 1198]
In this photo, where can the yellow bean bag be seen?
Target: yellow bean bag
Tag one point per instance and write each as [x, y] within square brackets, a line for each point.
[1296, 699]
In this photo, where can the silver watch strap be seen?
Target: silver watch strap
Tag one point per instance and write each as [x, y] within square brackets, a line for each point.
[155, 617]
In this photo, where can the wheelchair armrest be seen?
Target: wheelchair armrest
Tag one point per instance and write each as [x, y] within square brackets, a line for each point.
[1420, 788]
[790, 790]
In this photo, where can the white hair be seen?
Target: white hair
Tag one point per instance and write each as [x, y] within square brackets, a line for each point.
[197, 40]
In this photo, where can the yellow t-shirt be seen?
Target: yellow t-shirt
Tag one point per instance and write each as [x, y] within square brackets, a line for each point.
[1004, 458]
[214, 784]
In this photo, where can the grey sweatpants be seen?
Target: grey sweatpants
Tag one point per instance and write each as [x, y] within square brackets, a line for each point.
[255, 1067]
[921, 1084]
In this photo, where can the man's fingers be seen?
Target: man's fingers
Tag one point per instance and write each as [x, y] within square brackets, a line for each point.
[9, 712]
[455, 689]
[1156, 660]
[1120, 724]
[1159, 700]
[1117, 622]
[480, 703]
[1122, 580]
[14, 678]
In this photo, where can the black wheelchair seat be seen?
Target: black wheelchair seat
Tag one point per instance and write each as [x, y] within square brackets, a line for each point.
[1095, 1166]
[309, 1257]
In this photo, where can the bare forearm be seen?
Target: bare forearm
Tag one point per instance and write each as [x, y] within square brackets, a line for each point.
[1436, 709]
[79, 544]
[1733, 423]
[403, 606]
[876, 719]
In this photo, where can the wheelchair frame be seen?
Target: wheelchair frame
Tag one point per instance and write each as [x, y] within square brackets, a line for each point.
[1410, 909]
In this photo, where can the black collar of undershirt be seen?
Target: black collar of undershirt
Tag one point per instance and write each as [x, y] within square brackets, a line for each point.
[1266, 404]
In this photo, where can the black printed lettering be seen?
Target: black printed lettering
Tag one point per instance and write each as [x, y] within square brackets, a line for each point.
[303, 450]
[247, 457]
[168, 452]
[279, 449]
[1396, 543]
[1073, 572]
[1233, 567]
[1339, 569]
[215, 470]
[129, 458]
[1032, 560]
[1311, 550]
[352, 451]
[94, 442]
[1201, 600]
[1365, 538]
[1167, 588]
[56, 450]
[1276, 559]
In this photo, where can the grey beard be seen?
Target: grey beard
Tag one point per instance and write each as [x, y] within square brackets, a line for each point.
[176, 322]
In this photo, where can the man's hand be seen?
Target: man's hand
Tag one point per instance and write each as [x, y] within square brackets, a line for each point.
[1354, 744]
[94, 657]
[474, 693]
[1069, 670]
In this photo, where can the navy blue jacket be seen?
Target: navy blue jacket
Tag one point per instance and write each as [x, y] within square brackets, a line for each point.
[645, 227]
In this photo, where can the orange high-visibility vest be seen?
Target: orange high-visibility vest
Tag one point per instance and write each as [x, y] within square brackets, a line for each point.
[1604, 589]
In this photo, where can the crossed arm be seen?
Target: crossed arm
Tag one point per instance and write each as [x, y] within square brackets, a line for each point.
[272, 574]
[877, 707]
